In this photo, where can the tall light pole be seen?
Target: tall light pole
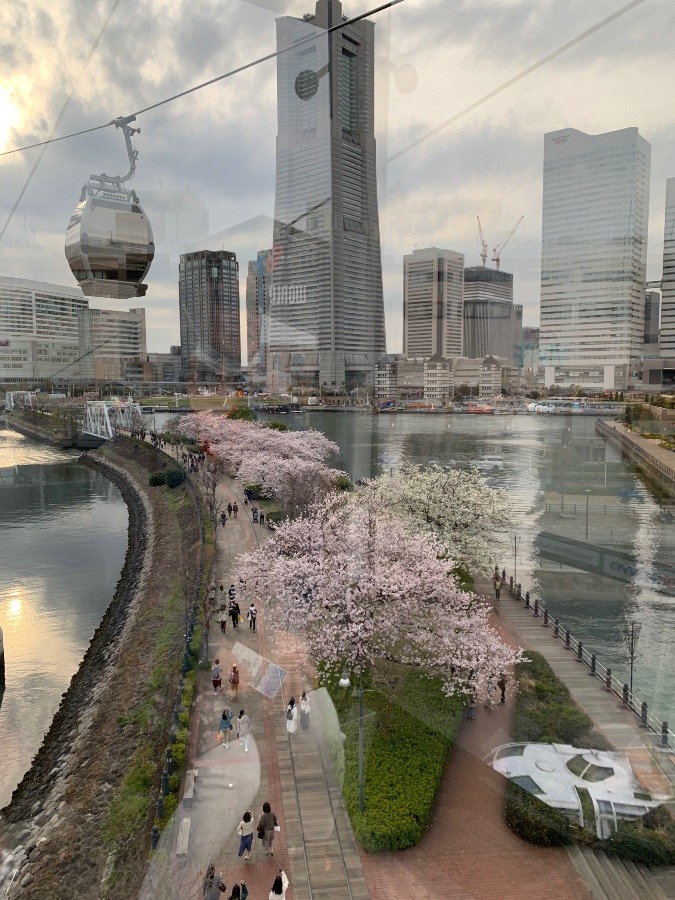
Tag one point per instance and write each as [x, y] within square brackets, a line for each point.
[344, 682]
[588, 493]
[516, 542]
[631, 633]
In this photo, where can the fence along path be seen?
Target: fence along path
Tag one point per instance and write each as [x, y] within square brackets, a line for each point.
[650, 752]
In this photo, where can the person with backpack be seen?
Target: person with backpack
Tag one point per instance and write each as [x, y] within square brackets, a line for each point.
[225, 728]
[233, 680]
[234, 612]
[252, 615]
[291, 716]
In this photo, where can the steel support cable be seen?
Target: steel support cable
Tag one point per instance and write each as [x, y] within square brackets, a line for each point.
[198, 87]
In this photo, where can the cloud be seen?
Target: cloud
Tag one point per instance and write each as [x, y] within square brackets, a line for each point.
[220, 142]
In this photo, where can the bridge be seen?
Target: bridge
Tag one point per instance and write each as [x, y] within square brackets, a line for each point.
[105, 418]
[21, 399]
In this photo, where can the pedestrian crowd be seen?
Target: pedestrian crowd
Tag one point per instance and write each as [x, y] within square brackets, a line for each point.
[239, 727]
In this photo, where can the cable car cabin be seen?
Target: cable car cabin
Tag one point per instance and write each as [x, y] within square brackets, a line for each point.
[109, 244]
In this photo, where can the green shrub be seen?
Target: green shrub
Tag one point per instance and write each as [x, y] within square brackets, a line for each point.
[343, 483]
[255, 491]
[184, 719]
[533, 820]
[242, 413]
[175, 477]
[277, 426]
[179, 753]
[409, 733]
[157, 478]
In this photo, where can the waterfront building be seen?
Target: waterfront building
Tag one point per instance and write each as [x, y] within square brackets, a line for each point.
[594, 256]
[438, 380]
[257, 311]
[492, 322]
[652, 318]
[39, 338]
[326, 300]
[208, 294]
[668, 282]
[433, 292]
[165, 368]
[113, 345]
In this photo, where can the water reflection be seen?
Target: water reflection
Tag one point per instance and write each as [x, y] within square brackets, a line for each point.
[63, 537]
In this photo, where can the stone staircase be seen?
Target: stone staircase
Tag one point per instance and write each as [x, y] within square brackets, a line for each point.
[611, 878]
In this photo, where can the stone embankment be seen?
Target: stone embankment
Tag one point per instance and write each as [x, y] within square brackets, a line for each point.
[656, 463]
[58, 833]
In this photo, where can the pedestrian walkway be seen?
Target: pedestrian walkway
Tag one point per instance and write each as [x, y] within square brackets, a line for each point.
[619, 724]
[315, 846]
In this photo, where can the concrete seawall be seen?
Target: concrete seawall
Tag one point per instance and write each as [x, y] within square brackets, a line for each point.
[656, 463]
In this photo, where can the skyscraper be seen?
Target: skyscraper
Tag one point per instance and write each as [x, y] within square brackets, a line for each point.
[492, 322]
[208, 295]
[594, 256]
[433, 291]
[326, 301]
[257, 310]
[668, 284]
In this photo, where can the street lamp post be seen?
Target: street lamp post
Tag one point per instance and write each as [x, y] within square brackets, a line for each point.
[516, 542]
[344, 682]
[588, 493]
[631, 633]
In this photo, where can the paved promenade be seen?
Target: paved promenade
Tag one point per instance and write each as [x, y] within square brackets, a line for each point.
[620, 725]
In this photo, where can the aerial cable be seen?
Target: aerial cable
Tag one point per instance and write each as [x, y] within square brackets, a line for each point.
[507, 84]
[198, 87]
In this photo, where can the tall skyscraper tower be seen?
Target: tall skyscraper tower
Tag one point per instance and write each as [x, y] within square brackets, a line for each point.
[433, 306]
[208, 295]
[257, 310]
[668, 283]
[594, 256]
[326, 302]
[492, 322]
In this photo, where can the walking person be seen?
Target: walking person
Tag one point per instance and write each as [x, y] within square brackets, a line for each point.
[245, 831]
[215, 677]
[498, 587]
[222, 618]
[267, 825]
[213, 885]
[252, 615]
[223, 519]
[243, 730]
[501, 684]
[234, 611]
[233, 681]
[225, 727]
[491, 689]
[262, 517]
[229, 509]
[232, 592]
[291, 716]
[239, 892]
[471, 706]
[305, 709]
[235, 508]
[280, 886]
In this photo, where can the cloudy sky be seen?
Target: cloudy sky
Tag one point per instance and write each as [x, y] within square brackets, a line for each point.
[219, 143]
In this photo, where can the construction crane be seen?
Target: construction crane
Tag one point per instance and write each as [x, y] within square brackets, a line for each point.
[496, 252]
[483, 243]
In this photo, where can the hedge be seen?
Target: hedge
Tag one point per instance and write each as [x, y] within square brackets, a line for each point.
[157, 478]
[175, 477]
[407, 743]
[533, 820]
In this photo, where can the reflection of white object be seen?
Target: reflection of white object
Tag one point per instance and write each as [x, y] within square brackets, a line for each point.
[490, 463]
[554, 773]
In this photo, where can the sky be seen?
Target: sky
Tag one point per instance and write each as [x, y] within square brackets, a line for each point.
[67, 65]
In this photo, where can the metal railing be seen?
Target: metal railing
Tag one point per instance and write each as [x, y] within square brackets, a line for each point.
[610, 683]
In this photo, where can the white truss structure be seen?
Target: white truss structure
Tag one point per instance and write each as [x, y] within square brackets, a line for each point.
[21, 399]
[105, 418]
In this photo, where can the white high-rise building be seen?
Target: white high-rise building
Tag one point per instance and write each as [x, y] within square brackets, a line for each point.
[326, 320]
[433, 303]
[594, 256]
[668, 284]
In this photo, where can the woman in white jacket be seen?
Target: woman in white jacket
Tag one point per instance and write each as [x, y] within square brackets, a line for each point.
[291, 716]
[280, 886]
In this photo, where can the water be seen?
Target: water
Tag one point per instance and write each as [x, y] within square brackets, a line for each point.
[63, 538]
[546, 464]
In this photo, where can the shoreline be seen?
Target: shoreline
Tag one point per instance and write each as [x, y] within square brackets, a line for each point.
[54, 828]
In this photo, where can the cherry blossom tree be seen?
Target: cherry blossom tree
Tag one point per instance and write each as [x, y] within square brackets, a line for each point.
[362, 587]
[289, 466]
[456, 505]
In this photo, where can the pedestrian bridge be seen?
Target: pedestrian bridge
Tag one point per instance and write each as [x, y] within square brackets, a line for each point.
[106, 418]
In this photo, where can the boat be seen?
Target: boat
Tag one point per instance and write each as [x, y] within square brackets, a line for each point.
[480, 409]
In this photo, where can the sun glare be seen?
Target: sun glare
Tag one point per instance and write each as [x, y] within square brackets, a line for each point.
[9, 116]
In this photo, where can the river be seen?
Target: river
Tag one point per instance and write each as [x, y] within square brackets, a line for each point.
[63, 539]
[547, 464]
